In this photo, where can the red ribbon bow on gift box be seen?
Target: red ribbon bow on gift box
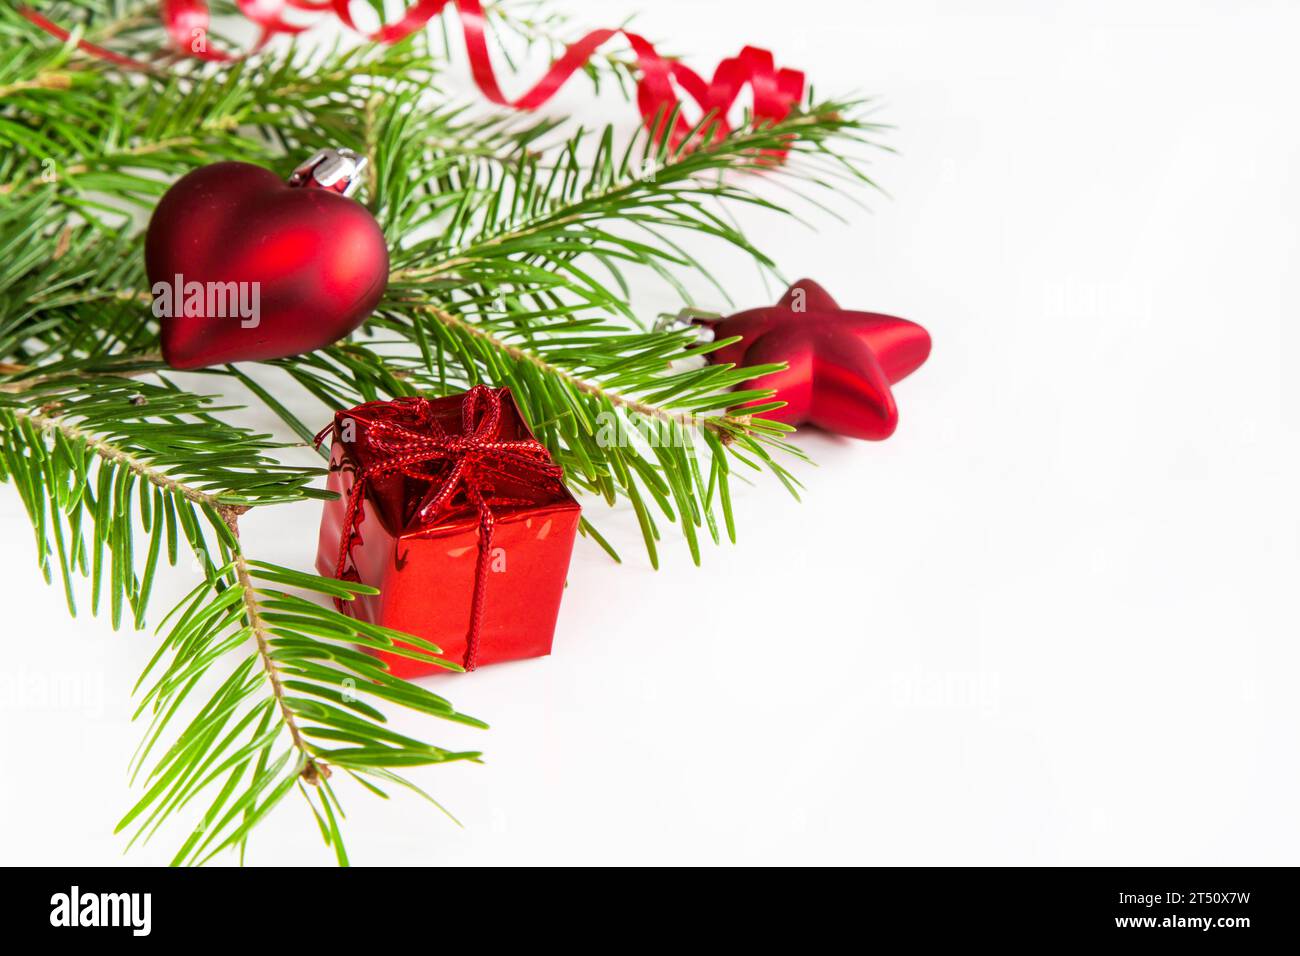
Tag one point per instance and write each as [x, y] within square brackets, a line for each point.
[450, 463]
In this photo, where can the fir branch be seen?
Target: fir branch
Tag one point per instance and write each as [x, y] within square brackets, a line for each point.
[111, 453]
[316, 686]
[511, 262]
[613, 445]
[504, 292]
[83, 452]
[276, 720]
[515, 353]
[311, 771]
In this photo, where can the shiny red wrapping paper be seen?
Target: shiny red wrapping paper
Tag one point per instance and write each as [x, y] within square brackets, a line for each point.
[424, 555]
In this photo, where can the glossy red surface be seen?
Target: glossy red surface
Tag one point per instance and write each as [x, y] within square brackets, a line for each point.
[841, 363]
[319, 259]
[423, 561]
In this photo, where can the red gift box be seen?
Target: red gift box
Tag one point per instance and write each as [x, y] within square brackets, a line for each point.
[456, 513]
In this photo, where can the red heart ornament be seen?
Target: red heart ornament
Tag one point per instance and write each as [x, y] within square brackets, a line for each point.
[247, 267]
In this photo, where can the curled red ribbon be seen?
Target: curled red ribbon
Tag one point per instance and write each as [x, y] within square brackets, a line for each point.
[451, 463]
[775, 91]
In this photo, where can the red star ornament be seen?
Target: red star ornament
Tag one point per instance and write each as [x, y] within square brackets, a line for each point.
[841, 363]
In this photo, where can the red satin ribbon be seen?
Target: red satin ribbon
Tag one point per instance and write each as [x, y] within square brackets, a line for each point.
[451, 463]
[56, 31]
[775, 92]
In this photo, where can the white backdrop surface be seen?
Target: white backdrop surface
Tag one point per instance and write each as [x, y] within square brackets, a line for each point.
[1052, 620]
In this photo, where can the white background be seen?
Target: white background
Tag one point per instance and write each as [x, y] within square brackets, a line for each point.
[1052, 620]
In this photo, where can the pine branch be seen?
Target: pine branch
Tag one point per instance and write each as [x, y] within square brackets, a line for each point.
[611, 444]
[68, 291]
[77, 449]
[93, 458]
[504, 293]
[298, 709]
[512, 254]
[83, 135]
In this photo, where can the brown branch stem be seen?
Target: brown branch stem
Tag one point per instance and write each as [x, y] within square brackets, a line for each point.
[718, 424]
[109, 452]
[313, 770]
